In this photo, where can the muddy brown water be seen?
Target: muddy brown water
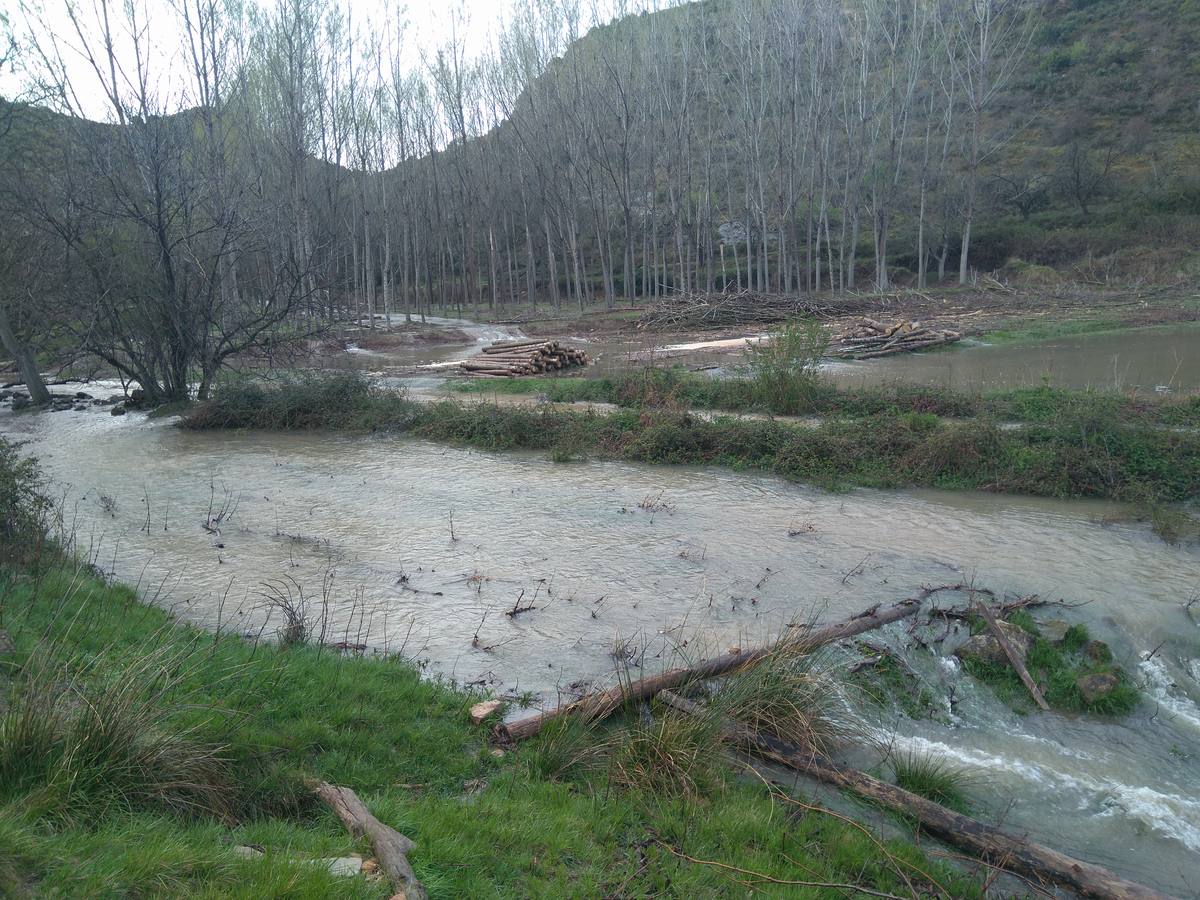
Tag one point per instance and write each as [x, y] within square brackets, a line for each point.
[654, 564]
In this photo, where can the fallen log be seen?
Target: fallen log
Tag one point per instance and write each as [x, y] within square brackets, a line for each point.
[1013, 656]
[390, 846]
[602, 703]
[986, 841]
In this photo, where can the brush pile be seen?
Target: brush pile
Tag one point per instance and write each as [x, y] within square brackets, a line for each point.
[509, 359]
[870, 339]
[703, 310]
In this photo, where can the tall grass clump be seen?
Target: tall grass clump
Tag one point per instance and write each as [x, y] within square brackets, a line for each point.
[668, 755]
[80, 740]
[783, 367]
[792, 694]
[933, 778]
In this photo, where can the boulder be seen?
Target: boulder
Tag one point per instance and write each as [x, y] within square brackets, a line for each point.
[136, 398]
[20, 401]
[81, 395]
[985, 648]
[1094, 688]
[1054, 630]
[485, 708]
[118, 410]
[1098, 651]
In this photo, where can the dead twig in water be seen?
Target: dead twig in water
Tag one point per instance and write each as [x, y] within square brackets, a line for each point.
[517, 608]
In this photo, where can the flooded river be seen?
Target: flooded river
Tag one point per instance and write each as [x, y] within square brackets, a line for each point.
[422, 549]
[1147, 360]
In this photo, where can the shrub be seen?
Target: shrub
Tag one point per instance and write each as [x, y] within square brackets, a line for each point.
[783, 367]
[25, 511]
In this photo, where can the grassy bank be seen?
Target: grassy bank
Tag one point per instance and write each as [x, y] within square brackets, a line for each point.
[680, 388]
[1079, 454]
[138, 753]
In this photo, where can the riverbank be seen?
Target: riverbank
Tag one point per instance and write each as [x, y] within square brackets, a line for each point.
[676, 387]
[142, 756]
[1078, 455]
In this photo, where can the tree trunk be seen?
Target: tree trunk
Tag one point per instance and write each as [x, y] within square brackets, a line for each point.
[989, 843]
[24, 360]
[600, 704]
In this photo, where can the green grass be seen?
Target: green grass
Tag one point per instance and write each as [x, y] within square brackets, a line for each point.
[407, 747]
[886, 682]
[677, 388]
[1056, 669]
[932, 778]
[1083, 453]
[137, 752]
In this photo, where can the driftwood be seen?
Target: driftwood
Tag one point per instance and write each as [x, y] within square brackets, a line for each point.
[390, 846]
[1013, 656]
[997, 847]
[746, 307]
[602, 703]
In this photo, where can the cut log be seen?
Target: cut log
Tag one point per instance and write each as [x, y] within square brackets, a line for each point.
[602, 703]
[997, 847]
[390, 846]
[1013, 656]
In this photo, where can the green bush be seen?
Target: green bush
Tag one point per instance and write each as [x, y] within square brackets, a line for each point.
[783, 367]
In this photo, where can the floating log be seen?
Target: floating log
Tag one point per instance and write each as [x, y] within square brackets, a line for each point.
[602, 703]
[997, 847]
[390, 846]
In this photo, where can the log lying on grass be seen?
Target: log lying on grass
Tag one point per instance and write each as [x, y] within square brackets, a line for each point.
[871, 339]
[508, 359]
[989, 843]
[602, 703]
[390, 846]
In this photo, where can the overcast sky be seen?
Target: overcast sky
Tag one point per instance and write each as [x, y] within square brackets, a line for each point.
[428, 26]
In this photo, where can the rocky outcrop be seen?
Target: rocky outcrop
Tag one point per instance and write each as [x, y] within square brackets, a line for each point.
[985, 648]
[1096, 687]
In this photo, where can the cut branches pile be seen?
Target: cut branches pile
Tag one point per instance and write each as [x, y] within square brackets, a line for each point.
[704, 310]
[510, 359]
[870, 339]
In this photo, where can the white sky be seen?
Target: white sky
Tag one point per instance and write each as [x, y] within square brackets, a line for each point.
[428, 26]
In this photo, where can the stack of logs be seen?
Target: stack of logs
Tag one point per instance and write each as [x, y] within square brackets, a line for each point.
[508, 359]
[870, 339]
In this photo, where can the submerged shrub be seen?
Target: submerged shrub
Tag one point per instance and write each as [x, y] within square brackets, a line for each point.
[933, 778]
[25, 510]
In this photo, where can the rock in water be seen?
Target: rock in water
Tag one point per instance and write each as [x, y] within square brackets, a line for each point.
[1094, 688]
[985, 648]
[1098, 651]
[1054, 630]
[118, 410]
